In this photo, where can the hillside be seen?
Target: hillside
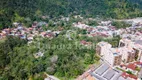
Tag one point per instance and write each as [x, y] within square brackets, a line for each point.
[89, 8]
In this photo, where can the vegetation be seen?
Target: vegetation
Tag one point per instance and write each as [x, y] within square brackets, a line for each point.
[62, 58]
[129, 72]
[93, 23]
[120, 24]
[138, 69]
[12, 10]
[8, 46]
[120, 69]
[113, 41]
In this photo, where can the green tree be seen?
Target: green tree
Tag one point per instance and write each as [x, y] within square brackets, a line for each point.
[120, 24]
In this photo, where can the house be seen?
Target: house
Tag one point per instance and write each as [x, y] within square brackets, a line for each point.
[130, 67]
[2, 35]
[39, 54]
[105, 23]
[56, 33]
[50, 35]
[80, 25]
[43, 34]
[34, 25]
[41, 24]
[128, 76]
[20, 27]
[83, 42]
[15, 23]
[22, 36]
[30, 37]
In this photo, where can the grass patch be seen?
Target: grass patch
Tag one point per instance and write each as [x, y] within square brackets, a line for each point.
[120, 69]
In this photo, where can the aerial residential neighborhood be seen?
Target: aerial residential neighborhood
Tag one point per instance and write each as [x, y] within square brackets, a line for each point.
[28, 33]
[70, 39]
[123, 62]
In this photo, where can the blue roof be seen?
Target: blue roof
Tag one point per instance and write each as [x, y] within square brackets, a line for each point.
[114, 53]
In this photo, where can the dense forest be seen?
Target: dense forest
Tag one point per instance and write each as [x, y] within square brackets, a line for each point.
[17, 61]
[9, 9]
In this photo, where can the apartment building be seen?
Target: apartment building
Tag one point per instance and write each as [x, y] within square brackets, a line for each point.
[101, 47]
[128, 54]
[113, 57]
[109, 54]
[125, 53]
[136, 45]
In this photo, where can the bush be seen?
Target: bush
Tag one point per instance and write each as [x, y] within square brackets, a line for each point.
[120, 24]
[129, 72]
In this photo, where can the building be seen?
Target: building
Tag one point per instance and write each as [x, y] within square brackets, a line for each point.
[141, 59]
[136, 45]
[133, 67]
[127, 76]
[127, 51]
[128, 54]
[109, 54]
[101, 47]
[39, 54]
[105, 72]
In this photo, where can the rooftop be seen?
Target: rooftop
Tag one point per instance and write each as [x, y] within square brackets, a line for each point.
[138, 42]
[125, 75]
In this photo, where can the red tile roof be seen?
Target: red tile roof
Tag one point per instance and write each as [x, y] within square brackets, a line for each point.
[132, 66]
[93, 35]
[138, 63]
[126, 75]
[50, 35]
[83, 42]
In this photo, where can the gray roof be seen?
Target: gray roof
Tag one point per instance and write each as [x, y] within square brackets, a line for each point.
[109, 74]
[116, 77]
[138, 42]
[102, 69]
[41, 23]
[97, 77]
[121, 78]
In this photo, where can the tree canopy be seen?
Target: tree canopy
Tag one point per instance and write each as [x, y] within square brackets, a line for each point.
[88, 8]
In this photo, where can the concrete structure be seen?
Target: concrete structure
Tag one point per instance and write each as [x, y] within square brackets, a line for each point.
[141, 59]
[111, 55]
[105, 72]
[128, 51]
[136, 45]
[102, 47]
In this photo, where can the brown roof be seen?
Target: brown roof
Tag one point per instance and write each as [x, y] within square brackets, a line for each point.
[132, 66]
[126, 75]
